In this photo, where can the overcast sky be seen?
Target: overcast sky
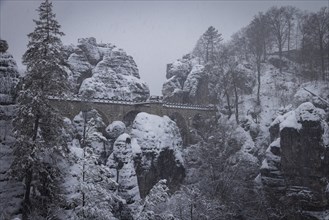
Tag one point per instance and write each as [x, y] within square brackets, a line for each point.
[153, 32]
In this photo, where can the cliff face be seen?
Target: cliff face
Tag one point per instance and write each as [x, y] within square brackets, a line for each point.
[104, 71]
[296, 166]
[8, 74]
[190, 80]
[122, 166]
[187, 82]
[159, 155]
[148, 152]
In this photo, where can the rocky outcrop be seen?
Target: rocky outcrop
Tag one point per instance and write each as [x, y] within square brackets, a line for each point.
[319, 94]
[187, 82]
[159, 153]
[295, 170]
[104, 71]
[8, 74]
[115, 129]
[3, 46]
[190, 80]
[122, 165]
[196, 85]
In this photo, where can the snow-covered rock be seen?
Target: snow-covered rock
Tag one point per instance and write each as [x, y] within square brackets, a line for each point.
[294, 119]
[160, 153]
[171, 87]
[79, 68]
[123, 64]
[8, 74]
[104, 71]
[122, 166]
[180, 68]
[186, 82]
[319, 97]
[295, 161]
[105, 83]
[89, 47]
[192, 83]
[189, 80]
[154, 133]
[115, 129]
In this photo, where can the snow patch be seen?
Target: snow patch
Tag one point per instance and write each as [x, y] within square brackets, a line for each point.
[154, 133]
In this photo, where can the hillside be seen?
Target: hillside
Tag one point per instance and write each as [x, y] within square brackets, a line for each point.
[241, 132]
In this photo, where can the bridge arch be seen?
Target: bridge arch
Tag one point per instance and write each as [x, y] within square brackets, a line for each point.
[181, 124]
[129, 117]
[102, 114]
[197, 121]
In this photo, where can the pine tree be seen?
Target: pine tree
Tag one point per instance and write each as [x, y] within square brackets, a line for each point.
[155, 203]
[97, 200]
[207, 44]
[37, 124]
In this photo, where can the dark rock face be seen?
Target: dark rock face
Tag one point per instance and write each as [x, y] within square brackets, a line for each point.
[3, 46]
[295, 171]
[163, 167]
[302, 164]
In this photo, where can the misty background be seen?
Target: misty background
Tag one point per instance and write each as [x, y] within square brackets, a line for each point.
[153, 32]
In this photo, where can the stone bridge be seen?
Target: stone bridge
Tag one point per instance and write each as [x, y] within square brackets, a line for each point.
[126, 111]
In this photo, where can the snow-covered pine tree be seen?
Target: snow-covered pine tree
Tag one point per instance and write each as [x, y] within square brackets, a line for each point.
[37, 124]
[155, 204]
[207, 44]
[97, 200]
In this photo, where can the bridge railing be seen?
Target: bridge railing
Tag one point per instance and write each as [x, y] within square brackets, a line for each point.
[78, 98]
[190, 106]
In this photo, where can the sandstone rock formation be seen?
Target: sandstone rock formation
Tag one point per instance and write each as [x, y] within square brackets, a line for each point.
[8, 74]
[159, 153]
[122, 166]
[115, 129]
[187, 82]
[295, 170]
[104, 71]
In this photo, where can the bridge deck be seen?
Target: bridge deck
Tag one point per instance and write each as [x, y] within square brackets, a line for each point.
[136, 103]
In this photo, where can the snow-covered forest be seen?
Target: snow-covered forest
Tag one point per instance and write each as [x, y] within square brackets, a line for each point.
[263, 154]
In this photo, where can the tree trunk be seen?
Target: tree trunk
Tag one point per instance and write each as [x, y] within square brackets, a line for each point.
[228, 104]
[36, 128]
[26, 201]
[322, 57]
[289, 30]
[264, 51]
[236, 104]
[280, 55]
[258, 79]
[28, 175]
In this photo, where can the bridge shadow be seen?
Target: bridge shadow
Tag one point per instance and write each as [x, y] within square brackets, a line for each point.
[181, 124]
[129, 118]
